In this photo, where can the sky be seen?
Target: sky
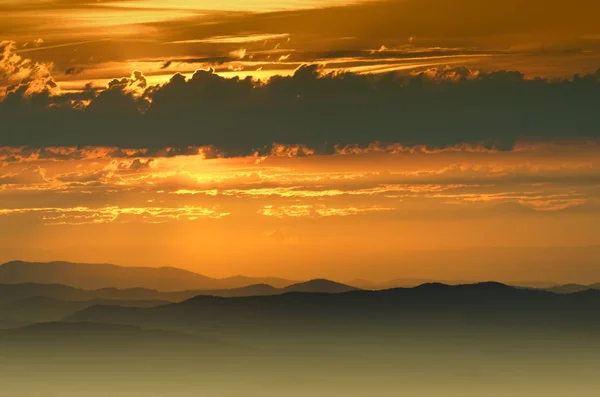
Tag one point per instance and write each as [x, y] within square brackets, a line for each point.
[341, 139]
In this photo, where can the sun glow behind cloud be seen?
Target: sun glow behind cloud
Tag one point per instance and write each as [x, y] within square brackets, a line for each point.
[369, 200]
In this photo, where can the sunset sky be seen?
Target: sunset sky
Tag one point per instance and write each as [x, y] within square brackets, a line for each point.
[305, 138]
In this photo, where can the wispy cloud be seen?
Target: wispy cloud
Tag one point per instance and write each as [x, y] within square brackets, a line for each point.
[86, 215]
[250, 38]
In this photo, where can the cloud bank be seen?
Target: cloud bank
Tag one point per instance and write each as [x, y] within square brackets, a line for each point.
[320, 111]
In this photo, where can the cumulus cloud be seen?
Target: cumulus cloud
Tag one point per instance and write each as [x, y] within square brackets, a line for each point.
[435, 108]
[25, 77]
[238, 54]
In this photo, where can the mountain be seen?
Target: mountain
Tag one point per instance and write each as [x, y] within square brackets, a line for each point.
[16, 292]
[432, 307]
[97, 276]
[414, 282]
[424, 340]
[319, 285]
[572, 288]
[400, 283]
[39, 309]
[243, 281]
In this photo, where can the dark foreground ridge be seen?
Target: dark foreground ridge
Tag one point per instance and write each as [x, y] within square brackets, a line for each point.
[27, 303]
[485, 339]
[483, 305]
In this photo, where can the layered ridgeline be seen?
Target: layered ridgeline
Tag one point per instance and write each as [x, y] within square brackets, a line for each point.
[184, 284]
[482, 339]
[95, 276]
[30, 302]
[28, 296]
[490, 304]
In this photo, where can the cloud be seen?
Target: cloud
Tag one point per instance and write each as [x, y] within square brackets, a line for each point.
[435, 108]
[74, 71]
[238, 54]
[110, 214]
[32, 175]
[319, 210]
[251, 38]
[24, 76]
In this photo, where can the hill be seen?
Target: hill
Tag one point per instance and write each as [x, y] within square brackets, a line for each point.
[319, 285]
[572, 288]
[16, 292]
[427, 308]
[37, 309]
[97, 276]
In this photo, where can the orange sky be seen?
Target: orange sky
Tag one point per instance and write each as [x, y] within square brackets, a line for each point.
[100, 40]
[346, 215]
[434, 201]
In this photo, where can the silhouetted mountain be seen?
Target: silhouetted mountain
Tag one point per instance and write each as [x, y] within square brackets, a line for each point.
[459, 334]
[45, 309]
[96, 276]
[319, 285]
[16, 292]
[250, 290]
[400, 283]
[12, 292]
[572, 288]
[243, 281]
[414, 282]
[429, 307]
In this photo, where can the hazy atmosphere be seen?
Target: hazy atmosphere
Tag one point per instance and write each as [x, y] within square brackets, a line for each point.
[299, 198]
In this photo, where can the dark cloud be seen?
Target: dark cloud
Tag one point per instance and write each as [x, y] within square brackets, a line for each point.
[74, 71]
[136, 165]
[437, 107]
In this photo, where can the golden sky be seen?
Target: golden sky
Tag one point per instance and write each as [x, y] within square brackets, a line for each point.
[100, 40]
[305, 138]
[375, 214]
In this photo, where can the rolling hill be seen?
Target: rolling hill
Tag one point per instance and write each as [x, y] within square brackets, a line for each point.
[429, 308]
[16, 292]
[97, 276]
[40, 309]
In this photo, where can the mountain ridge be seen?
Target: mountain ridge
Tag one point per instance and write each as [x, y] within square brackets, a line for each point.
[104, 275]
[486, 302]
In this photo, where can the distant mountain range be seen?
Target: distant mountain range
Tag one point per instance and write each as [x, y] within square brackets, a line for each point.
[82, 281]
[485, 333]
[18, 292]
[97, 276]
[40, 309]
[414, 282]
[30, 303]
[572, 288]
[428, 308]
